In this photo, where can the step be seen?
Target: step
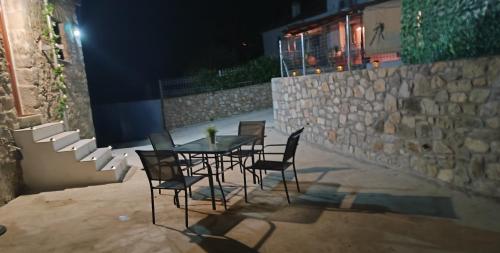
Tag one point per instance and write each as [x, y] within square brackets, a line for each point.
[61, 140]
[119, 165]
[81, 148]
[46, 130]
[29, 120]
[99, 157]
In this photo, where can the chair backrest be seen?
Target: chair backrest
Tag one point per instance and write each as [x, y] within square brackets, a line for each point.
[255, 128]
[162, 141]
[291, 145]
[166, 169]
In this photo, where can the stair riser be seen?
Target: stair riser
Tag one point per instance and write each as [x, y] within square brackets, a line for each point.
[45, 132]
[65, 141]
[103, 160]
[84, 150]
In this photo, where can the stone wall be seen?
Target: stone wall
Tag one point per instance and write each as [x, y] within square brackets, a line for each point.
[441, 120]
[33, 59]
[10, 176]
[188, 110]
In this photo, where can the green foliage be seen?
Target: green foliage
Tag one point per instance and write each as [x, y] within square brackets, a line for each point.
[259, 70]
[433, 30]
[58, 79]
[211, 130]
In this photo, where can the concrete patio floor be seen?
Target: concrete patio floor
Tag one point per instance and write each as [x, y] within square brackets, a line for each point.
[344, 206]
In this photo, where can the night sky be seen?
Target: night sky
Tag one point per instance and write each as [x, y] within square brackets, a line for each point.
[129, 45]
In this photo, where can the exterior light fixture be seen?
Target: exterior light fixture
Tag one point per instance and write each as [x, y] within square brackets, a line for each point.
[294, 73]
[376, 64]
[340, 68]
[77, 33]
[317, 71]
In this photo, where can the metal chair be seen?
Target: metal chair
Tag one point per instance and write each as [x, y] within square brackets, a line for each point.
[252, 128]
[163, 142]
[169, 174]
[287, 161]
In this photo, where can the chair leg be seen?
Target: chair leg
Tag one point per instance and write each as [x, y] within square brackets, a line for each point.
[221, 191]
[222, 167]
[153, 206]
[296, 178]
[254, 175]
[261, 184]
[245, 184]
[186, 206]
[177, 199]
[286, 189]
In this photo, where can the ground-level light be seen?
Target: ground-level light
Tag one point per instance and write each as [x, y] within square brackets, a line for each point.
[340, 68]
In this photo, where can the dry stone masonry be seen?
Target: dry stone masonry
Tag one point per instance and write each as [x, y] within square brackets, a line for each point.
[441, 120]
[188, 110]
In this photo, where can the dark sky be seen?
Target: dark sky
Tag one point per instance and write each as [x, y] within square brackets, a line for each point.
[128, 45]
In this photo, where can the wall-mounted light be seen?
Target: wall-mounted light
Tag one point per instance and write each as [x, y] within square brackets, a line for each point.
[77, 33]
[340, 68]
[317, 71]
[376, 64]
[294, 73]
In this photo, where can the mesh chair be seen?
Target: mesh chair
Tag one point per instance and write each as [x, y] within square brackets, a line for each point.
[169, 174]
[252, 128]
[288, 159]
[163, 142]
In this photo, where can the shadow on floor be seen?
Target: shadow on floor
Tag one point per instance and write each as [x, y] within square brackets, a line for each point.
[270, 205]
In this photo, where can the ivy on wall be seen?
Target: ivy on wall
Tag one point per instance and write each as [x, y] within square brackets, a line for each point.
[58, 79]
[433, 30]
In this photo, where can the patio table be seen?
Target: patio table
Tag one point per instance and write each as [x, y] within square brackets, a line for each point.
[224, 144]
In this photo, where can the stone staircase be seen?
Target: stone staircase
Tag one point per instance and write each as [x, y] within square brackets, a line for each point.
[55, 159]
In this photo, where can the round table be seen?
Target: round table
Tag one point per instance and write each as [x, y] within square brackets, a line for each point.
[3, 229]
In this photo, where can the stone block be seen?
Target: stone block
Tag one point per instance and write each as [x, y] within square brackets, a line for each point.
[476, 146]
[476, 167]
[441, 96]
[379, 85]
[475, 68]
[390, 103]
[493, 122]
[429, 107]
[422, 86]
[411, 105]
[446, 175]
[389, 128]
[493, 171]
[370, 94]
[440, 148]
[459, 97]
[479, 95]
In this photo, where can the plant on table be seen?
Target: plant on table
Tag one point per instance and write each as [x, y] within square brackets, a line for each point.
[211, 131]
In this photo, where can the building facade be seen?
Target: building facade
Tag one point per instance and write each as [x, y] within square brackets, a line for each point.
[371, 36]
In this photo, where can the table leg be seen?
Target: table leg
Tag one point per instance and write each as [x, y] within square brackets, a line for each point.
[211, 182]
[222, 167]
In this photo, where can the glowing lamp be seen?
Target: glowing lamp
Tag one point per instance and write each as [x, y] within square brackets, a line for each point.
[340, 68]
[294, 73]
[318, 71]
[376, 64]
[77, 33]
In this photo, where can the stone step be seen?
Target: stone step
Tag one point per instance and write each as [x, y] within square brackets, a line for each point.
[81, 148]
[61, 140]
[99, 157]
[119, 165]
[46, 130]
[30, 120]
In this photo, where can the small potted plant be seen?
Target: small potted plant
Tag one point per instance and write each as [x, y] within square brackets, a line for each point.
[211, 131]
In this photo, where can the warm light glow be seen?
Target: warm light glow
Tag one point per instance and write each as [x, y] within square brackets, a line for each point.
[376, 64]
[340, 68]
[294, 73]
[318, 71]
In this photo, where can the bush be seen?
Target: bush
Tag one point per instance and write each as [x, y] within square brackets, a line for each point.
[433, 30]
[260, 70]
